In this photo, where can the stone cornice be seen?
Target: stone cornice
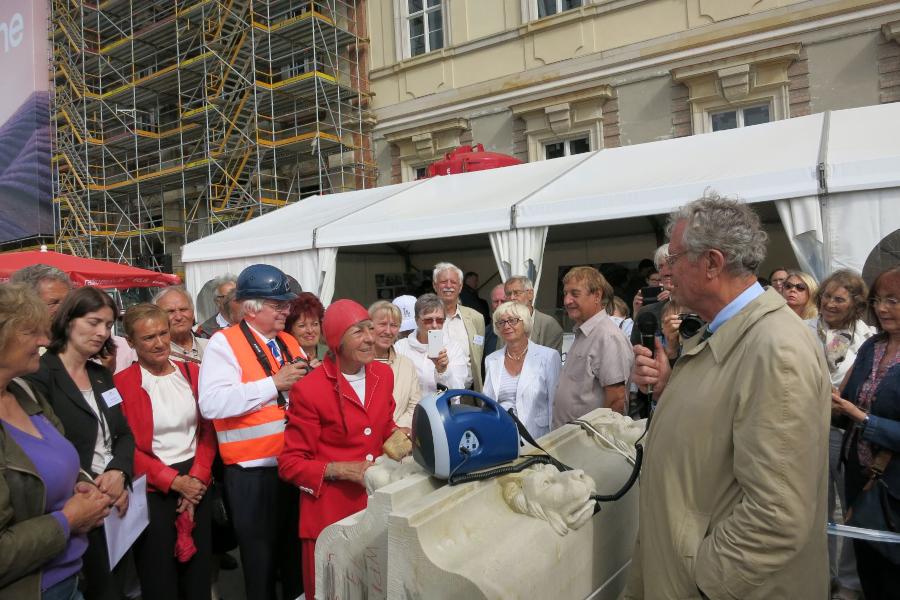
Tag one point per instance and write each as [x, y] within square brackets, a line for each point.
[891, 31]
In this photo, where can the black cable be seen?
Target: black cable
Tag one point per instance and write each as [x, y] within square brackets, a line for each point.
[496, 472]
[638, 459]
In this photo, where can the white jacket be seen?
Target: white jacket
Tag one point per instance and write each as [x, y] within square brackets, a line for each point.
[536, 387]
[454, 377]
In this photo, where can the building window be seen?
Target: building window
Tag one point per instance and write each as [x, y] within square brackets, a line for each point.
[425, 22]
[567, 147]
[740, 117]
[545, 8]
[420, 173]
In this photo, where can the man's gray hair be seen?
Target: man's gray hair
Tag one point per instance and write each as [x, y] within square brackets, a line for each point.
[428, 303]
[253, 305]
[34, 274]
[526, 283]
[179, 289]
[445, 266]
[218, 282]
[659, 257]
[729, 226]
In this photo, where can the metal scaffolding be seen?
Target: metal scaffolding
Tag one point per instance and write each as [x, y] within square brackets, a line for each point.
[174, 119]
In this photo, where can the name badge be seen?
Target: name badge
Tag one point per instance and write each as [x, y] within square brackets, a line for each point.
[478, 340]
[112, 397]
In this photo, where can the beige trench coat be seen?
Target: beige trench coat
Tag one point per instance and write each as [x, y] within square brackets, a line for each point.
[733, 487]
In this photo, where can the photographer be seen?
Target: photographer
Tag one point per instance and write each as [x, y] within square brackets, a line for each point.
[654, 297]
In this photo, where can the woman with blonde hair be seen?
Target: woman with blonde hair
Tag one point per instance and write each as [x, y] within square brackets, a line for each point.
[386, 320]
[799, 290]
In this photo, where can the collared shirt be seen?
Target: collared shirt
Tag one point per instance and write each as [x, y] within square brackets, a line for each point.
[600, 356]
[453, 377]
[456, 328]
[735, 306]
[194, 355]
[222, 321]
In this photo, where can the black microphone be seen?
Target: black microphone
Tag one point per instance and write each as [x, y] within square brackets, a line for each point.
[648, 324]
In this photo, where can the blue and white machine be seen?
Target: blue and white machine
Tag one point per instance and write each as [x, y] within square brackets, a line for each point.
[460, 431]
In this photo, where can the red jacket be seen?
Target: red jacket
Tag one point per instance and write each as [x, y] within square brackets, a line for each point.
[139, 413]
[326, 423]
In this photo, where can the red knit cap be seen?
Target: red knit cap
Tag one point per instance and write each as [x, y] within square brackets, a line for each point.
[339, 317]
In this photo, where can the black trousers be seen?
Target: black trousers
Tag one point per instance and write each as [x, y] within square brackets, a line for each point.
[880, 579]
[162, 576]
[99, 582]
[265, 513]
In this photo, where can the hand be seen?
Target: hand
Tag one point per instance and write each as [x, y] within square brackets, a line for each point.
[185, 505]
[111, 483]
[663, 295]
[651, 369]
[348, 471]
[121, 503]
[441, 361]
[288, 375]
[190, 488]
[313, 363]
[637, 303]
[845, 407]
[670, 329]
[86, 509]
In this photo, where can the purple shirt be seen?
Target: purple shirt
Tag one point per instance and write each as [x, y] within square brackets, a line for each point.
[56, 462]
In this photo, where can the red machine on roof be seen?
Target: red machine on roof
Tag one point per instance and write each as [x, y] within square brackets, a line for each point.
[466, 158]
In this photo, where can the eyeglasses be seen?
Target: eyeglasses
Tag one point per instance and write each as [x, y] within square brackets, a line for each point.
[433, 321]
[800, 287]
[515, 293]
[839, 300]
[279, 307]
[889, 302]
[672, 258]
[512, 322]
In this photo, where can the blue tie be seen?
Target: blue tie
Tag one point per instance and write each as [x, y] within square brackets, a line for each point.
[275, 352]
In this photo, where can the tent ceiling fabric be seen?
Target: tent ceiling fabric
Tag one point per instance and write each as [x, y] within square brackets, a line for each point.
[864, 148]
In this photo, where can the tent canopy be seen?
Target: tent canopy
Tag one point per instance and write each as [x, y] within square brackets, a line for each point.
[86, 271]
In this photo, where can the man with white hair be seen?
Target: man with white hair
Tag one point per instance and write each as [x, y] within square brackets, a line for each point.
[733, 484]
[220, 320]
[545, 330]
[185, 345]
[244, 380]
[52, 285]
[464, 325]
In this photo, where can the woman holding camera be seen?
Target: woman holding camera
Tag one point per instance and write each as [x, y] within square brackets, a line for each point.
[522, 375]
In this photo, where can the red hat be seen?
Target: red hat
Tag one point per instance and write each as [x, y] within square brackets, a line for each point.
[339, 317]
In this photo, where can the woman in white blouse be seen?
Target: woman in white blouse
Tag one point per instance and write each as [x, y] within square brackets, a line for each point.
[174, 448]
[450, 368]
[522, 375]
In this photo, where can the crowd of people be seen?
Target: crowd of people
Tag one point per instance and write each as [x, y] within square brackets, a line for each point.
[258, 424]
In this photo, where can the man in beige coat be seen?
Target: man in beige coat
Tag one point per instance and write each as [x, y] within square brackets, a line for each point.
[733, 486]
[464, 325]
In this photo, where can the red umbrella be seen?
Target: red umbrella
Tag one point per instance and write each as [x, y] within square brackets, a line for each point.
[86, 271]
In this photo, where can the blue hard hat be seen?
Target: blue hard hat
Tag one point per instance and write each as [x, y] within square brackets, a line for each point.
[265, 282]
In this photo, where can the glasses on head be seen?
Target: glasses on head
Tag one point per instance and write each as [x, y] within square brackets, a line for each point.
[433, 321]
[889, 302]
[672, 258]
[512, 322]
[800, 287]
[279, 306]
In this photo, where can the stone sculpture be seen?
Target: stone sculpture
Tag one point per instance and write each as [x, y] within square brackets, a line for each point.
[563, 499]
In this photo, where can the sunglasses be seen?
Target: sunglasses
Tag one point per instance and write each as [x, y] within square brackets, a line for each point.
[433, 320]
[800, 287]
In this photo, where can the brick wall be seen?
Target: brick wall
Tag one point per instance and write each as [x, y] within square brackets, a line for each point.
[611, 134]
[681, 111]
[396, 176]
[889, 71]
[798, 86]
[520, 140]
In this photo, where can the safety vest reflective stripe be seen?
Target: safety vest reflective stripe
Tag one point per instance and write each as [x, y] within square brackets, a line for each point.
[258, 434]
[249, 433]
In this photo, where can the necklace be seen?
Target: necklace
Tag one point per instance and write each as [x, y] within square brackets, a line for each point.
[511, 356]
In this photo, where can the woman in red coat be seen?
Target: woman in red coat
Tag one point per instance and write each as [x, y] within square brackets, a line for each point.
[339, 417]
[174, 448]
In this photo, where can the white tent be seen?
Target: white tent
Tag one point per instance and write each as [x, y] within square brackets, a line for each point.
[830, 174]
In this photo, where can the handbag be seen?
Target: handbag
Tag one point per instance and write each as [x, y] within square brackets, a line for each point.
[877, 508]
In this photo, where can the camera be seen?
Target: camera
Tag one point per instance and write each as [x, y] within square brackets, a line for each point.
[690, 324]
[650, 294]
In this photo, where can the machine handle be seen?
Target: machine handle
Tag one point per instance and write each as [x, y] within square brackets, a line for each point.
[487, 400]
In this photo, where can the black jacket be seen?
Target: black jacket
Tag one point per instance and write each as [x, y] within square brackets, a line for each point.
[79, 421]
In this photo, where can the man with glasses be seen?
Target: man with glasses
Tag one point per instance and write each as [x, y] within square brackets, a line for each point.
[545, 330]
[245, 377]
[223, 286]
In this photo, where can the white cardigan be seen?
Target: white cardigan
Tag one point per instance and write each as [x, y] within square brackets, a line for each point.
[536, 388]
